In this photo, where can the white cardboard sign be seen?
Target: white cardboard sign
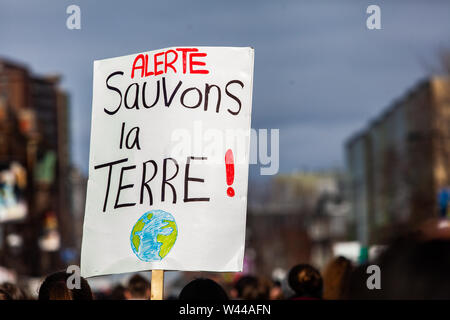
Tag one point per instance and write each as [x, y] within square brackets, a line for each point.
[168, 167]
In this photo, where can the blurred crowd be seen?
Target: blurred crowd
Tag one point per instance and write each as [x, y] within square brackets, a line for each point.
[413, 266]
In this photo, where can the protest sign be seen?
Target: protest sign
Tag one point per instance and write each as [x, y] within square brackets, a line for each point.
[168, 167]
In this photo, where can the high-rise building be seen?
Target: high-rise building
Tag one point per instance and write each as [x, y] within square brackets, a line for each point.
[401, 163]
[34, 136]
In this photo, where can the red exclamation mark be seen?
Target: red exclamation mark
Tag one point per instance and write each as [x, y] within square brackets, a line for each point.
[229, 166]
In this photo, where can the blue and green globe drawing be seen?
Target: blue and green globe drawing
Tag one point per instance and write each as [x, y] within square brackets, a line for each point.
[153, 235]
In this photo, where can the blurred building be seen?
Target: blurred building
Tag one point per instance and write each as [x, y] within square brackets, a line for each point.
[78, 182]
[400, 163]
[303, 214]
[34, 135]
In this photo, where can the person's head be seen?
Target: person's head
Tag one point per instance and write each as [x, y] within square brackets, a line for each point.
[416, 269]
[4, 295]
[356, 287]
[242, 284]
[13, 291]
[118, 293]
[306, 281]
[413, 266]
[251, 288]
[203, 290]
[276, 292]
[138, 288]
[336, 276]
[55, 287]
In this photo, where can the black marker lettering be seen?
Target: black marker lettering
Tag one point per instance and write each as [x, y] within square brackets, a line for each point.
[199, 98]
[143, 96]
[114, 89]
[165, 180]
[187, 179]
[167, 103]
[121, 187]
[219, 96]
[233, 96]
[136, 97]
[110, 165]
[144, 183]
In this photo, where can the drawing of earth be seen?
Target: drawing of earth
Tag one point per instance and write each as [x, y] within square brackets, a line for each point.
[153, 235]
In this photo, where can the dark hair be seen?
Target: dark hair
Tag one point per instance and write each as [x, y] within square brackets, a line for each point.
[118, 292]
[55, 287]
[356, 287]
[13, 291]
[252, 288]
[4, 295]
[138, 286]
[245, 282]
[415, 269]
[306, 281]
[203, 290]
[336, 277]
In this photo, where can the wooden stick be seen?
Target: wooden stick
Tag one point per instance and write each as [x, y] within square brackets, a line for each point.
[157, 292]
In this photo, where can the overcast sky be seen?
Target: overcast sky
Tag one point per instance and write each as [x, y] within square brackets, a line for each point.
[320, 74]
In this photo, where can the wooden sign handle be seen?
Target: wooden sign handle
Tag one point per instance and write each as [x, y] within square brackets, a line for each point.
[157, 287]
